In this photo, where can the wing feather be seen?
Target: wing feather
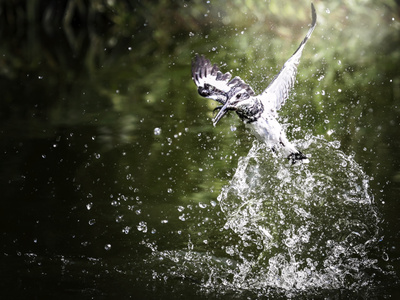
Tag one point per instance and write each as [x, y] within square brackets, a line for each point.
[278, 90]
[212, 83]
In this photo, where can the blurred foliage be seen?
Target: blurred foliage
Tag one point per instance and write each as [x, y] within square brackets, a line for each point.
[134, 57]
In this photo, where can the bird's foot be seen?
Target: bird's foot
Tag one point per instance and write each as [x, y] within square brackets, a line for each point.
[296, 157]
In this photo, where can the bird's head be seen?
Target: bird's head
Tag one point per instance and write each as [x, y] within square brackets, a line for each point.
[239, 99]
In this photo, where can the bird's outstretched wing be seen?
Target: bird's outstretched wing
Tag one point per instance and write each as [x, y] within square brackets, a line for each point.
[277, 92]
[212, 83]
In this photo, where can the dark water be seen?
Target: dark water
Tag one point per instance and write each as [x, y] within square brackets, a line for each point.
[116, 184]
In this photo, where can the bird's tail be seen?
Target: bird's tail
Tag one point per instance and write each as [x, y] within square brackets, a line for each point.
[296, 157]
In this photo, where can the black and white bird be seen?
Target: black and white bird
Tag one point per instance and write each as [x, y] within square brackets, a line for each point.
[259, 112]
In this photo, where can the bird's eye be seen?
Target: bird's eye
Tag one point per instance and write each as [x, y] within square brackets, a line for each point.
[203, 92]
[238, 95]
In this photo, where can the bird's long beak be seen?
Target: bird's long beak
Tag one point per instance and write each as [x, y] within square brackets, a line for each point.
[222, 112]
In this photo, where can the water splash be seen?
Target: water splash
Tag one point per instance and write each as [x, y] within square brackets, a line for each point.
[290, 229]
[312, 225]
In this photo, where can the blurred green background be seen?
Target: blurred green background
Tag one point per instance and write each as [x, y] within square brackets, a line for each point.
[105, 141]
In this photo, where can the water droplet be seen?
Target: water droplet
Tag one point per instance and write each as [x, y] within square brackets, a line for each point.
[385, 256]
[142, 226]
[92, 222]
[157, 131]
[107, 247]
[126, 229]
[336, 144]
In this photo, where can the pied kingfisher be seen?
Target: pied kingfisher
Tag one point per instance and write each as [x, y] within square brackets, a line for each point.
[259, 112]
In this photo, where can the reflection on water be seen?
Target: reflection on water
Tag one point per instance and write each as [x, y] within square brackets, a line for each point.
[296, 229]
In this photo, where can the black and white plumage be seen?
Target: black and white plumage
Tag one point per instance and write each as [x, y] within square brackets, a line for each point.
[259, 112]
